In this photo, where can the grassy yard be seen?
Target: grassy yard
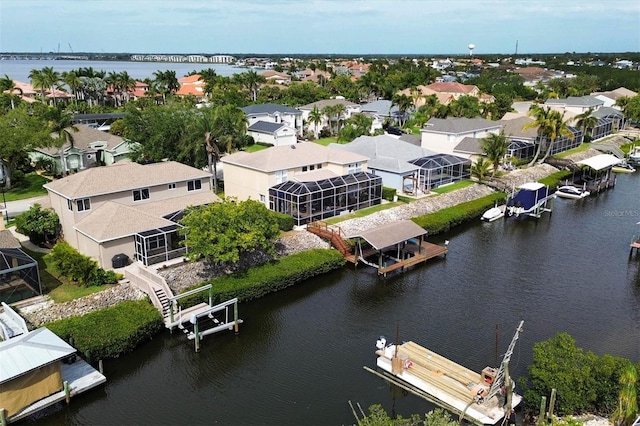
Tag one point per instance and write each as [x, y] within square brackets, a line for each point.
[453, 186]
[581, 148]
[255, 148]
[326, 141]
[30, 187]
[59, 288]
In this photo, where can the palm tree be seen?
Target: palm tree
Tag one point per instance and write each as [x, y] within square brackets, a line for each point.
[315, 118]
[126, 84]
[404, 103]
[166, 82]
[586, 122]
[541, 122]
[330, 112]
[72, 80]
[52, 80]
[558, 128]
[495, 148]
[9, 86]
[339, 110]
[38, 82]
[61, 126]
[480, 169]
[252, 81]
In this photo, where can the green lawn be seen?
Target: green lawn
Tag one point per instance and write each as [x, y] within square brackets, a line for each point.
[59, 288]
[582, 147]
[255, 148]
[453, 186]
[30, 187]
[326, 141]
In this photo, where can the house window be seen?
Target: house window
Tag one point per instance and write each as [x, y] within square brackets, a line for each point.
[305, 168]
[194, 185]
[281, 176]
[262, 198]
[355, 167]
[83, 204]
[140, 194]
[155, 242]
[319, 166]
[312, 167]
[69, 205]
[171, 186]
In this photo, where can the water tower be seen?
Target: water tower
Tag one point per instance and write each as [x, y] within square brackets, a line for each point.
[471, 47]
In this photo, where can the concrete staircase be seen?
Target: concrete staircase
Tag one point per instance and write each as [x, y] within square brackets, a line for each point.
[147, 280]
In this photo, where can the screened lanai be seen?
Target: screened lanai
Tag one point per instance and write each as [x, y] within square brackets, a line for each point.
[317, 200]
[565, 143]
[19, 276]
[520, 149]
[159, 245]
[440, 169]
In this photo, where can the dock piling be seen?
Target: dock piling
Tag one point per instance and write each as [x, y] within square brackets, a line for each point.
[3, 417]
[100, 369]
[67, 393]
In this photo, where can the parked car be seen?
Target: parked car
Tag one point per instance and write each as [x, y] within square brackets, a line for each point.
[394, 131]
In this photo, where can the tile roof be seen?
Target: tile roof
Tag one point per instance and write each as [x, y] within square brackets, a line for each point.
[456, 125]
[327, 102]
[452, 87]
[122, 176]
[269, 109]
[291, 156]
[190, 79]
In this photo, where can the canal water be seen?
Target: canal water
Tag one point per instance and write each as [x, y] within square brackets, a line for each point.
[299, 357]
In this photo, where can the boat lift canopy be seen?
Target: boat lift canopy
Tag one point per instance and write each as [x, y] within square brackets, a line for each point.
[391, 234]
[600, 162]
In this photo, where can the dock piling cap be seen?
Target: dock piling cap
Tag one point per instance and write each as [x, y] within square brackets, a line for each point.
[193, 319]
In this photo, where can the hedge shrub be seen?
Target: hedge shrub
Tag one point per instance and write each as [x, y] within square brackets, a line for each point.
[388, 193]
[285, 221]
[110, 332]
[443, 220]
[553, 180]
[270, 277]
[78, 267]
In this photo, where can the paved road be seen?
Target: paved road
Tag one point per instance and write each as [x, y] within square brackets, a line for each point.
[16, 207]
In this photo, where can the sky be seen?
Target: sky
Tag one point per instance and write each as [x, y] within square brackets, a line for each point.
[364, 27]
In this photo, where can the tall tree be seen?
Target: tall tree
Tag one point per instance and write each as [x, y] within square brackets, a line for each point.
[52, 80]
[404, 104]
[38, 82]
[541, 123]
[9, 86]
[61, 125]
[252, 81]
[315, 118]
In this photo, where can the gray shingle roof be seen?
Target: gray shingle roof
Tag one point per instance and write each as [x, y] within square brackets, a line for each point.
[382, 107]
[291, 156]
[577, 101]
[458, 125]
[386, 153]
[327, 102]
[469, 146]
[122, 177]
[514, 127]
[269, 109]
[265, 127]
[8, 241]
[84, 137]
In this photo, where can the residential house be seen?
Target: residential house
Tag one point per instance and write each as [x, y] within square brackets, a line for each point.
[128, 208]
[574, 105]
[275, 134]
[91, 147]
[443, 135]
[534, 75]
[192, 85]
[421, 92]
[406, 167]
[454, 89]
[610, 120]
[350, 108]
[522, 142]
[275, 113]
[382, 111]
[276, 77]
[306, 180]
[609, 98]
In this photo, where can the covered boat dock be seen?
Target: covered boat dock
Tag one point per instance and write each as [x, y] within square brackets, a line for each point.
[397, 245]
[596, 172]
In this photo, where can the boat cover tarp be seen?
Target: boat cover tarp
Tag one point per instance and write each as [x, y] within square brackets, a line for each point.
[527, 198]
[28, 388]
[600, 162]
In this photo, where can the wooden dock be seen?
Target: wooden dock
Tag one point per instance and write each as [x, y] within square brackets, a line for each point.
[420, 254]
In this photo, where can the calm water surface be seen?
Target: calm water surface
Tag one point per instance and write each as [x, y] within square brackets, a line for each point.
[298, 358]
[20, 69]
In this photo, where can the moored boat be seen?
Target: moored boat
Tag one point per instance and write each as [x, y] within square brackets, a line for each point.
[531, 199]
[634, 155]
[483, 398]
[623, 168]
[572, 192]
[493, 213]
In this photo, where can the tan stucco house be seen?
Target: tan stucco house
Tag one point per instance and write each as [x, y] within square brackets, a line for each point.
[128, 208]
[306, 180]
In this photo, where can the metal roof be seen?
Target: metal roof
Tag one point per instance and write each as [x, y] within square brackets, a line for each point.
[265, 127]
[269, 109]
[600, 162]
[27, 352]
[391, 233]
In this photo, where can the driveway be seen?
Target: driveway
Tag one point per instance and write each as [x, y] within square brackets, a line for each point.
[14, 208]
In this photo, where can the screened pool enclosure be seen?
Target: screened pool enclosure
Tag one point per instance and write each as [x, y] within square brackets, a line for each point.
[440, 169]
[19, 276]
[311, 201]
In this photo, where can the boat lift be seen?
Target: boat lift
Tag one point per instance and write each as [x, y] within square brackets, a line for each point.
[226, 323]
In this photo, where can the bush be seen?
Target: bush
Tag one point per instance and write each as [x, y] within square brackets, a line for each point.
[111, 332]
[554, 179]
[271, 277]
[285, 221]
[444, 219]
[78, 267]
[388, 193]
[40, 225]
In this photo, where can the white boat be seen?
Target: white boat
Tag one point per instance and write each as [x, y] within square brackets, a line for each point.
[623, 168]
[479, 397]
[493, 213]
[634, 155]
[572, 192]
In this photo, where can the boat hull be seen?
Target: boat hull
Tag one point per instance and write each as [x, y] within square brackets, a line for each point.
[454, 386]
[492, 214]
[572, 195]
